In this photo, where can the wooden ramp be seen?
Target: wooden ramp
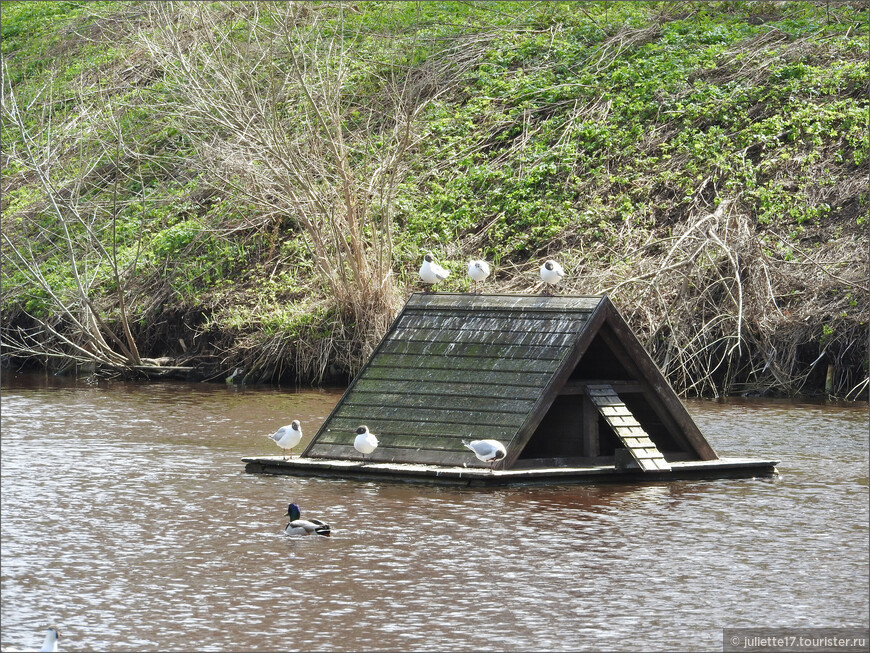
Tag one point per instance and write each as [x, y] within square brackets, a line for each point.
[627, 428]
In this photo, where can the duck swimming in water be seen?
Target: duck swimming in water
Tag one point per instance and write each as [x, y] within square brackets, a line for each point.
[299, 526]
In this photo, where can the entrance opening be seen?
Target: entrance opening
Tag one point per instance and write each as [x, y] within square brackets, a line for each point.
[561, 436]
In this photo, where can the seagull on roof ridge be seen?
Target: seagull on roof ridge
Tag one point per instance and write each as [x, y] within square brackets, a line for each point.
[551, 273]
[478, 269]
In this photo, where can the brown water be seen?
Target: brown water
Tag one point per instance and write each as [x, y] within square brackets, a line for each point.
[128, 521]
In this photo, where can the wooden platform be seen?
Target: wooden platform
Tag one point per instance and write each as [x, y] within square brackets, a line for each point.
[471, 476]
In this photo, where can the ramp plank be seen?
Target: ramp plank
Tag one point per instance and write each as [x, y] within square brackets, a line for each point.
[627, 428]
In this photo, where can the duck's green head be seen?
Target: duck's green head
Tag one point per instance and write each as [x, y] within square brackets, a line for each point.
[293, 512]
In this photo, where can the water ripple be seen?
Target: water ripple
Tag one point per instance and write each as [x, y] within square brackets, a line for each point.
[129, 521]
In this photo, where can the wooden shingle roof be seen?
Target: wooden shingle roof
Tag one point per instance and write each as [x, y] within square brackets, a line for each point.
[465, 366]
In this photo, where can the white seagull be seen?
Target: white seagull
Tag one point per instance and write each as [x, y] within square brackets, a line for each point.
[487, 451]
[551, 272]
[478, 270]
[365, 441]
[431, 272]
[299, 526]
[50, 641]
[48, 644]
[288, 437]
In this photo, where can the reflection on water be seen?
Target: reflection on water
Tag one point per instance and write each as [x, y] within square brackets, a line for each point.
[129, 522]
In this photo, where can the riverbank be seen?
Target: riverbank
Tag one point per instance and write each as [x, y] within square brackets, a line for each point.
[169, 205]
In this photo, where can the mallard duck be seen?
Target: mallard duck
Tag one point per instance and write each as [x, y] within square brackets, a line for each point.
[551, 272]
[288, 437]
[365, 441]
[431, 272]
[487, 451]
[299, 526]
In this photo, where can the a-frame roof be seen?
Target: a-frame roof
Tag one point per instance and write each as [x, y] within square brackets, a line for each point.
[467, 366]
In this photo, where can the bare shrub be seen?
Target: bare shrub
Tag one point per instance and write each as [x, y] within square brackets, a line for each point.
[262, 90]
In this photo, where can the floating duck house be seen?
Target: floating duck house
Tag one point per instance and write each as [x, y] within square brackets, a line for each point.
[561, 381]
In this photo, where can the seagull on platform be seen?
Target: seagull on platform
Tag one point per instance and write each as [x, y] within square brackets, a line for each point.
[551, 272]
[478, 270]
[431, 272]
[288, 437]
[299, 526]
[487, 451]
[365, 441]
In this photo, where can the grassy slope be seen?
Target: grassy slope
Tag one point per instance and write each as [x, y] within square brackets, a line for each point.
[606, 134]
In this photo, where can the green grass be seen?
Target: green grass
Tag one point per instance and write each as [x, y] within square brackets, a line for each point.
[563, 123]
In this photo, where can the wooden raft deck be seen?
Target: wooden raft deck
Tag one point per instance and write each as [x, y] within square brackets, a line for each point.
[437, 474]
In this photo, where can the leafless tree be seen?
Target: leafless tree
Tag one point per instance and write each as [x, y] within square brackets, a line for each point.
[69, 325]
[264, 92]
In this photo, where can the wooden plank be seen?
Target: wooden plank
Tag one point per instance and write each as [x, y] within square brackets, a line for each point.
[402, 441]
[617, 421]
[541, 303]
[426, 375]
[476, 403]
[378, 426]
[575, 471]
[475, 363]
[601, 391]
[493, 391]
[591, 446]
[492, 322]
[579, 387]
[435, 334]
[634, 443]
[634, 432]
[641, 454]
[390, 454]
[477, 350]
[619, 410]
[637, 442]
[426, 414]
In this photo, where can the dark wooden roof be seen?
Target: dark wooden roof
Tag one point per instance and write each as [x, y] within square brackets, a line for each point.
[465, 366]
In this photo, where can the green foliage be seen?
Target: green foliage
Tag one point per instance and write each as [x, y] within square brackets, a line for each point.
[530, 145]
[547, 123]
